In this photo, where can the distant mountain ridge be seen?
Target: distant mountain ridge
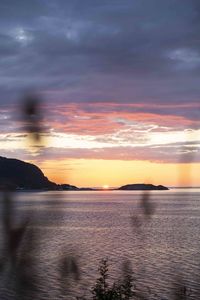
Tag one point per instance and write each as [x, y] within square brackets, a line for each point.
[26, 176]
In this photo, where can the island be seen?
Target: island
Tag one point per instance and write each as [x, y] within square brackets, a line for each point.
[142, 187]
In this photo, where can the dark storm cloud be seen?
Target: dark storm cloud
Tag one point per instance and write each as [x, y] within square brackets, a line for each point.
[101, 51]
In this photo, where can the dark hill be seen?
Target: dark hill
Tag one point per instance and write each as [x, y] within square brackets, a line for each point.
[19, 174]
[68, 187]
[142, 187]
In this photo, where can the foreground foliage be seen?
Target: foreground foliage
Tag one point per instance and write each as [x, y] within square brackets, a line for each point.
[117, 291]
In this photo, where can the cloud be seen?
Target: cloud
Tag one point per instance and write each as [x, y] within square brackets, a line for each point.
[109, 118]
[73, 51]
[161, 154]
[119, 76]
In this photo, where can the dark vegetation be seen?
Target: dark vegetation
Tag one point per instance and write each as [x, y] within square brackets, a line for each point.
[123, 289]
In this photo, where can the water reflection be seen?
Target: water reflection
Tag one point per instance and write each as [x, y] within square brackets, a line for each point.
[73, 235]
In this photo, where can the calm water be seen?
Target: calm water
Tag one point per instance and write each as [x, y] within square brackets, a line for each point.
[89, 226]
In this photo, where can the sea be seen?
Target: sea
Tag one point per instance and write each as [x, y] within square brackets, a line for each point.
[65, 236]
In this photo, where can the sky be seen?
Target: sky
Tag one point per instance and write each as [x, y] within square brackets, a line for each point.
[119, 87]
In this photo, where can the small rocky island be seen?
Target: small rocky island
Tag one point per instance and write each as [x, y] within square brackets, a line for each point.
[142, 187]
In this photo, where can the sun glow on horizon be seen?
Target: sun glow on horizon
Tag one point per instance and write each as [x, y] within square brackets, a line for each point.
[105, 186]
[93, 173]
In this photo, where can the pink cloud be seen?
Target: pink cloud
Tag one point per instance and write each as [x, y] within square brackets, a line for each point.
[101, 118]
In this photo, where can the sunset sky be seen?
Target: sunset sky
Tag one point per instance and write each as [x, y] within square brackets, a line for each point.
[120, 89]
